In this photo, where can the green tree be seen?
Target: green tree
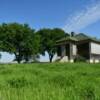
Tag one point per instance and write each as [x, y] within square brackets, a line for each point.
[48, 40]
[31, 48]
[19, 40]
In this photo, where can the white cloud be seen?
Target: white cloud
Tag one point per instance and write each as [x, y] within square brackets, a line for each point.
[83, 18]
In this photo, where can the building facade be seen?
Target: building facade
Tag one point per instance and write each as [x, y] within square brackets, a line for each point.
[81, 45]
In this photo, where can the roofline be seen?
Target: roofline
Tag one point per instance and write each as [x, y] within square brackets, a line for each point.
[76, 42]
[88, 40]
[66, 40]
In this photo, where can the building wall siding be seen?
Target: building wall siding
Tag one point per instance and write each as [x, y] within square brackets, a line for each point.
[95, 56]
[74, 50]
[95, 48]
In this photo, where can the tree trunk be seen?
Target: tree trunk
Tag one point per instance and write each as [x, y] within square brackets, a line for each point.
[18, 58]
[19, 61]
[50, 58]
[26, 58]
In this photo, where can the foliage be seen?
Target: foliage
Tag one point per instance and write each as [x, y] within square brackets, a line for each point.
[48, 40]
[26, 44]
[18, 39]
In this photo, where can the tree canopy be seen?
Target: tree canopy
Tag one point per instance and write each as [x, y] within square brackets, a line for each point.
[48, 40]
[19, 39]
[26, 43]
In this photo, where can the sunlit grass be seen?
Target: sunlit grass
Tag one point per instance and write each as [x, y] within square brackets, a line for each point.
[45, 81]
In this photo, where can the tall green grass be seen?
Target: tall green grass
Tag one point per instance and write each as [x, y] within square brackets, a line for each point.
[47, 81]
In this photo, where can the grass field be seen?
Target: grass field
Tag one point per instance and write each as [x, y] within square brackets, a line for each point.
[50, 81]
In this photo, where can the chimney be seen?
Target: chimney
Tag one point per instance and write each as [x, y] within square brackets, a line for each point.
[72, 34]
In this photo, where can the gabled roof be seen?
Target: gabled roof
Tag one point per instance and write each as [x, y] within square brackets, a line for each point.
[79, 37]
[68, 38]
[83, 37]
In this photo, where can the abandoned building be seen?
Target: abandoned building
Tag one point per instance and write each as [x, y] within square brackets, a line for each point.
[80, 45]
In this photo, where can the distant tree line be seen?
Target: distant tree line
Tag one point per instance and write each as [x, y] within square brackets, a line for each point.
[26, 43]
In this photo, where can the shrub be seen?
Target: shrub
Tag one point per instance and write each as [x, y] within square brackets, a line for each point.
[80, 59]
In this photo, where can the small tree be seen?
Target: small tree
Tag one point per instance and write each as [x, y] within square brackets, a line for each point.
[48, 40]
[19, 40]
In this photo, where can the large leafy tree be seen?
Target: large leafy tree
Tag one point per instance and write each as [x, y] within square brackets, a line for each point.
[20, 40]
[48, 40]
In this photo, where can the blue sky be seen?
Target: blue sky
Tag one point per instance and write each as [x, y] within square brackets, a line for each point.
[70, 15]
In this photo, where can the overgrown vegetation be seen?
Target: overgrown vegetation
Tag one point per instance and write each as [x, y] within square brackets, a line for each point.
[26, 43]
[79, 81]
[20, 40]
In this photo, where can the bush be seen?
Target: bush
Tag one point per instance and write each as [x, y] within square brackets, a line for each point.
[80, 59]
